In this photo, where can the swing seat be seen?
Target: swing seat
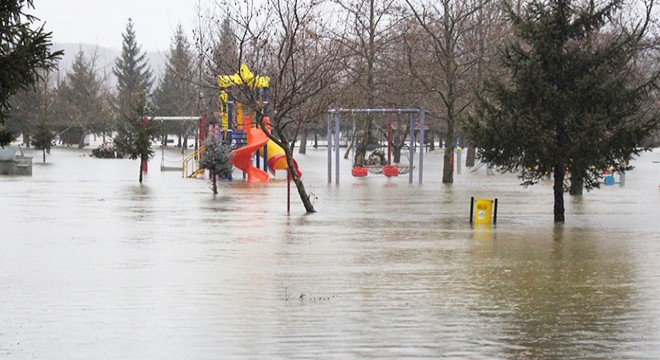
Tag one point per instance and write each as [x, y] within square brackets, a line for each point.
[359, 171]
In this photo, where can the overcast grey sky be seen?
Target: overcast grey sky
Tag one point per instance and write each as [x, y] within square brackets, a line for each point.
[102, 22]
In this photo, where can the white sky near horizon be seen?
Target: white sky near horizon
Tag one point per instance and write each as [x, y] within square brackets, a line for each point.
[102, 23]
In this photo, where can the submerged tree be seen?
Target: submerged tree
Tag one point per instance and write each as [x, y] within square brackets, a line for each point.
[134, 138]
[43, 136]
[369, 30]
[176, 94]
[134, 77]
[447, 27]
[80, 97]
[135, 132]
[216, 160]
[576, 98]
[24, 51]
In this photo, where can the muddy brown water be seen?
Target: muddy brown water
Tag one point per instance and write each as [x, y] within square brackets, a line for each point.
[94, 265]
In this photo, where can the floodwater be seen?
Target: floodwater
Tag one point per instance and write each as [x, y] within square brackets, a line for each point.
[94, 265]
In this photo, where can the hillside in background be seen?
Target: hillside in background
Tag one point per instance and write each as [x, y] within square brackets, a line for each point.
[105, 59]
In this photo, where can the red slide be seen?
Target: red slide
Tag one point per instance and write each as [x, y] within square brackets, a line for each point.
[242, 157]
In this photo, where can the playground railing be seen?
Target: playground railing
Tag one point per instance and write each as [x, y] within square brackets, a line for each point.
[191, 164]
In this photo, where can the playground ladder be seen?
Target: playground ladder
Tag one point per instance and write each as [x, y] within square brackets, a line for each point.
[190, 167]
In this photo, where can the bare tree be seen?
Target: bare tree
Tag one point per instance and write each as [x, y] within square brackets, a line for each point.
[368, 34]
[284, 41]
[447, 25]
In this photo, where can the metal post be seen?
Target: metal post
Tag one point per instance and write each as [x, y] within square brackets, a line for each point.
[389, 140]
[412, 148]
[330, 115]
[337, 122]
[471, 208]
[459, 153]
[421, 153]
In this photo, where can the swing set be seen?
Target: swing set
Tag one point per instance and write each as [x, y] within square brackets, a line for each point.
[334, 122]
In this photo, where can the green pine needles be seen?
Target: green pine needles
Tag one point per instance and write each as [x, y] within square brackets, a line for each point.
[577, 99]
[216, 159]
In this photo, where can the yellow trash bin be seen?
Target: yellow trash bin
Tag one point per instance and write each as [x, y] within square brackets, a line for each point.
[483, 211]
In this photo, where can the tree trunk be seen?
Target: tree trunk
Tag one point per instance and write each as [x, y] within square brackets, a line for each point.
[81, 142]
[350, 145]
[214, 182]
[577, 181]
[431, 135]
[316, 140]
[448, 164]
[307, 203]
[559, 193]
[44, 153]
[140, 178]
[471, 156]
[26, 138]
[362, 143]
[303, 141]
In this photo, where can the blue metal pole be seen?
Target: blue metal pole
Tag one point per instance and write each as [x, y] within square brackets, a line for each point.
[421, 154]
[337, 122]
[230, 118]
[330, 115]
[412, 148]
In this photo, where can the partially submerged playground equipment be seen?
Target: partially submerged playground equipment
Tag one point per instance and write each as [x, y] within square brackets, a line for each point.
[14, 162]
[189, 166]
[334, 122]
[242, 132]
[238, 131]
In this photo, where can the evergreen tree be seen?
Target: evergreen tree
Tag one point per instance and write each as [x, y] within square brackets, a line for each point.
[23, 52]
[216, 160]
[226, 50]
[43, 136]
[134, 137]
[28, 106]
[134, 132]
[176, 94]
[81, 99]
[575, 99]
[134, 77]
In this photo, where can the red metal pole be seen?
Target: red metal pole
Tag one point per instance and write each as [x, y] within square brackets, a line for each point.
[202, 130]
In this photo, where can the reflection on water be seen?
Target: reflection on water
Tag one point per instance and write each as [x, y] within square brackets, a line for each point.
[95, 265]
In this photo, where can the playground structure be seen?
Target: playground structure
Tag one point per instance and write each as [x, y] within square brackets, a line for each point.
[237, 131]
[190, 164]
[243, 134]
[334, 118]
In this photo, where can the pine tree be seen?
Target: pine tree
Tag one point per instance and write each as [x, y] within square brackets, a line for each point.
[80, 97]
[575, 99]
[31, 106]
[216, 160]
[43, 136]
[176, 94]
[23, 52]
[135, 132]
[134, 76]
